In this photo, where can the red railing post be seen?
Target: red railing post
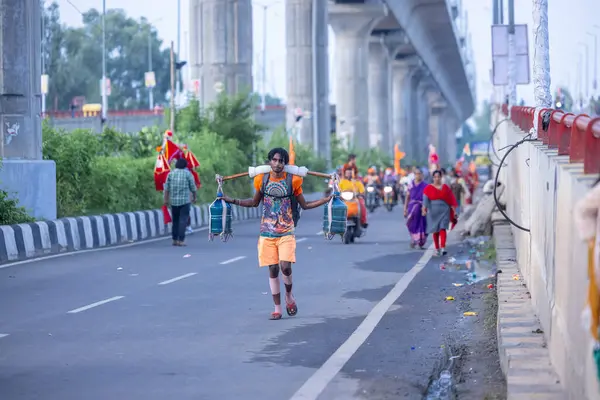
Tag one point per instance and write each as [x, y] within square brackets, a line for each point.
[577, 150]
[591, 156]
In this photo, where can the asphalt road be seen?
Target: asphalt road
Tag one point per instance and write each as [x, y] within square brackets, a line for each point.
[207, 335]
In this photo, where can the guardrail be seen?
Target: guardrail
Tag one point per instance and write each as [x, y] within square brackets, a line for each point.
[576, 136]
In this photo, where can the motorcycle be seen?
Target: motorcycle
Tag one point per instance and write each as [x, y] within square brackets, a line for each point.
[353, 228]
[389, 197]
[372, 200]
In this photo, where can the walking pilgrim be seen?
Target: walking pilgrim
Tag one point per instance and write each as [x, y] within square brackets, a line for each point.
[281, 194]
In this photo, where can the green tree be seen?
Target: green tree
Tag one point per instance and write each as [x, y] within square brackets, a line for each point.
[73, 59]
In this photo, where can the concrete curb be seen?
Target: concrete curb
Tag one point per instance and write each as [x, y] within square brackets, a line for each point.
[524, 356]
[31, 240]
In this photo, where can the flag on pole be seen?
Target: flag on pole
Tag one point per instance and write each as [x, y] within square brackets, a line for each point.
[398, 156]
[292, 152]
[467, 150]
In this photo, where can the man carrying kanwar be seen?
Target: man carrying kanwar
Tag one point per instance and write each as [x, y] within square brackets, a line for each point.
[281, 194]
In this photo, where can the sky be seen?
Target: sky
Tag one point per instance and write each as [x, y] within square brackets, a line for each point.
[569, 38]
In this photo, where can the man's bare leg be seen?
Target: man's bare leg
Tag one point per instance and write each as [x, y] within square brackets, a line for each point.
[275, 290]
[290, 301]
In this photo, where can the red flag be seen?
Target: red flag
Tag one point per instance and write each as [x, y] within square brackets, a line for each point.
[166, 214]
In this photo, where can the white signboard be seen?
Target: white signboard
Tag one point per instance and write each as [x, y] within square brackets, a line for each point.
[500, 55]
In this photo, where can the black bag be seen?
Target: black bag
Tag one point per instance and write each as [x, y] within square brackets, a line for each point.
[296, 209]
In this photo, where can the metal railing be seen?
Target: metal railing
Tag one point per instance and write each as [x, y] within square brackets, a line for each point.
[576, 136]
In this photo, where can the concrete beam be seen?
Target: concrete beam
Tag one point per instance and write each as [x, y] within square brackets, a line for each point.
[431, 31]
[352, 25]
[23, 171]
[221, 46]
[299, 16]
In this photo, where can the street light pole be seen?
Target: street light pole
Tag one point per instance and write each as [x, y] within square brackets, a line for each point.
[587, 70]
[104, 94]
[178, 55]
[264, 63]
[150, 89]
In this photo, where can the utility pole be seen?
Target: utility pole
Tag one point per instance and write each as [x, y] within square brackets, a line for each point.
[104, 92]
[150, 89]
[178, 78]
[541, 59]
[172, 122]
[43, 9]
[264, 63]
[512, 66]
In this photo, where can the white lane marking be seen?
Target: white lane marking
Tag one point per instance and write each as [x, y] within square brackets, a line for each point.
[3, 335]
[234, 259]
[300, 240]
[96, 304]
[73, 253]
[315, 385]
[178, 278]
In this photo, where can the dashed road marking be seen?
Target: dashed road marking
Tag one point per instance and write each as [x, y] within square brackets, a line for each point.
[234, 259]
[177, 278]
[96, 304]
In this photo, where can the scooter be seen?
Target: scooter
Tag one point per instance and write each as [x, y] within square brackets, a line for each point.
[372, 200]
[353, 228]
[389, 198]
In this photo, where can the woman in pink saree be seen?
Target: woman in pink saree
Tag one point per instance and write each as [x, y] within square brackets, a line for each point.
[415, 221]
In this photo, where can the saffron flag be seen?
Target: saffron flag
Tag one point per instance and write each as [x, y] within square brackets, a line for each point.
[292, 152]
[398, 156]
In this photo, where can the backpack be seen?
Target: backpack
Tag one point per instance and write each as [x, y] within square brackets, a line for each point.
[296, 210]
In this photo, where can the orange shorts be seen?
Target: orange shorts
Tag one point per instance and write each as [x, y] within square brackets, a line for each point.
[273, 250]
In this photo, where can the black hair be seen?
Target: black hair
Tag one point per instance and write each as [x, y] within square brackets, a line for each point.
[443, 170]
[181, 163]
[437, 172]
[351, 157]
[282, 153]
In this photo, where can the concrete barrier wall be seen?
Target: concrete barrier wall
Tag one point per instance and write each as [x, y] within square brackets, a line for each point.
[273, 119]
[542, 190]
[31, 240]
[42, 238]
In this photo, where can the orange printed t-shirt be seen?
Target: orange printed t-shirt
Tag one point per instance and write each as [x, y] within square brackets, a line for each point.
[277, 219]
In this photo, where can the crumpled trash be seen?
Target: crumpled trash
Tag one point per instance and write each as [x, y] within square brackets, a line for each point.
[187, 256]
[469, 313]
[449, 298]
[516, 277]
[119, 268]
[458, 284]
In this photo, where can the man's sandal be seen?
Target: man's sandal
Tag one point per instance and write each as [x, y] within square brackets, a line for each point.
[275, 316]
[291, 309]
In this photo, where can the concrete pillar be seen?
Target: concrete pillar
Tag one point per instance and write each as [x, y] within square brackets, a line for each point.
[300, 88]
[221, 46]
[352, 25]
[23, 171]
[451, 125]
[401, 73]
[379, 94]
[422, 128]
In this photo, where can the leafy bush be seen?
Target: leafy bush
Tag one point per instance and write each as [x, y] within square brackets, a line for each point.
[11, 212]
[113, 171]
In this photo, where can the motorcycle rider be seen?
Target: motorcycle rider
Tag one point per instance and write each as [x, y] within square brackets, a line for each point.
[390, 179]
[350, 184]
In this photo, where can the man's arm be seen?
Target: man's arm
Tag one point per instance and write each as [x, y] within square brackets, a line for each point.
[166, 190]
[248, 203]
[311, 204]
[192, 187]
